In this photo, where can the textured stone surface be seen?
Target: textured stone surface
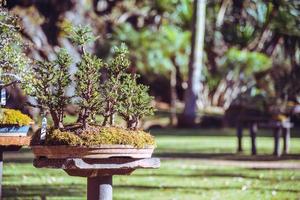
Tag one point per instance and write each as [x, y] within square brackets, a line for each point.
[102, 151]
[97, 167]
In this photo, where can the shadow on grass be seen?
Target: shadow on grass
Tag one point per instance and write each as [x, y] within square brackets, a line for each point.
[186, 155]
[227, 156]
[43, 190]
[197, 188]
[214, 174]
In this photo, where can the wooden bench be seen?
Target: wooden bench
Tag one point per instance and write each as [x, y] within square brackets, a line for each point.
[279, 129]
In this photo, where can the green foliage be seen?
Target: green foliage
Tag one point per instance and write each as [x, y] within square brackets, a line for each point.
[247, 62]
[111, 88]
[13, 62]
[87, 76]
[107, 93]
[109, 98]
[287, 20]
[14, 117]
[42, 83]
[156, 54]
[49, 84]
[120, 62]
[135, 103]
[87, 88]
[121, 94]
[61, 81]
[81, 35]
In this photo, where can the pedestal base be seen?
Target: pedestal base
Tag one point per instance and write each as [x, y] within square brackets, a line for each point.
[99, 172]
[99, 188]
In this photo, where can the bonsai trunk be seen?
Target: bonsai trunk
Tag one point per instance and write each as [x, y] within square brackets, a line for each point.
[57, 120]
[105, 121]
[135, 125]
[112, 119]
[84, 123]
[106, 115]
[109, 114]
[132, 123]
[84, 114]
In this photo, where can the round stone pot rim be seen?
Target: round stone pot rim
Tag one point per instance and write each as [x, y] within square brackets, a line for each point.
[94, 146]
[99, 151]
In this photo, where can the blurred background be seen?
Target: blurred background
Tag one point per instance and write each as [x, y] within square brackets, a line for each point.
[209, 64]
[201, 68]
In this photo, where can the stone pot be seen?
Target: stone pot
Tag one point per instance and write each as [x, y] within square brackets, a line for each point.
[95, 152]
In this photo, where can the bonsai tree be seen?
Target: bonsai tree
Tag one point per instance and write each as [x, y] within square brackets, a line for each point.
[121, 94]
[111, 89]
[87, 77]
[135, 103]
[101, 88]
[49, 84]
[87, 88]
[13, 62]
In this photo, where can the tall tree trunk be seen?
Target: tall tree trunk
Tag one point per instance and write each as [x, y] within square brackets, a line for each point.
[188, 117]
[173, 97]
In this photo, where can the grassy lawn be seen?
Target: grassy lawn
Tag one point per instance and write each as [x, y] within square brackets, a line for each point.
[185, 173]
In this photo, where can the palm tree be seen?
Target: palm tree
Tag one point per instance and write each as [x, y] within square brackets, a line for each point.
[188, 116]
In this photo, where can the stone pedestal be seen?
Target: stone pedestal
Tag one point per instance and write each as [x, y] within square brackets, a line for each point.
[99, 172]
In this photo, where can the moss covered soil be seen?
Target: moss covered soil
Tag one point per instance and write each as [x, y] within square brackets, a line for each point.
[97, 135]
[14, 117]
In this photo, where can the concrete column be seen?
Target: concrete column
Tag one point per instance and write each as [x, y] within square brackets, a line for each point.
[99, 188]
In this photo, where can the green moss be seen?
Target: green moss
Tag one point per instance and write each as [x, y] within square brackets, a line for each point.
[113, 135]
[99, 135]
[14, 117]
[58, 137]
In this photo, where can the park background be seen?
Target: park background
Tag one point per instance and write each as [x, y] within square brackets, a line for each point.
[208, 64]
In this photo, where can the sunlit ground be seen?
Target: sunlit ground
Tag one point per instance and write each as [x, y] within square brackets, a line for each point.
[196, 164]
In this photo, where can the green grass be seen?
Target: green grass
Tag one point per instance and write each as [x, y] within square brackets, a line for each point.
[184, 175]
